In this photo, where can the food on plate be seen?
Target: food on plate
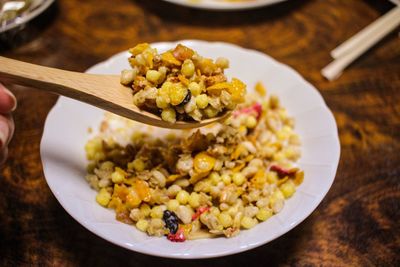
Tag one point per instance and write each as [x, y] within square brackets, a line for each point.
[10, 10]
[199, 183]
[180, 84]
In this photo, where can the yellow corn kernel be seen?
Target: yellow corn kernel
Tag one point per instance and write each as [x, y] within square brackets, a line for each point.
[238, 178]
[198, 186]
[162, 101]
[251, 122]
[210, 112]
[182, 197]
[288, 188]
[177, 94]
[195, 88]
[225, 219]
[172, 204]
[273, 102]
[289, 153]
[169, 115]
[232, 211]
[215, 211]
[137, 165]
[108, 165]
[153, 76]
[237, 90]
[145, 209]
[243, 130]
[222, 62]
[202, 187]
[103, 197]
[283, 134]
[263, 214]
[272, 177]
[202, 101]
[165, 90]
[194, 200]
[203, 162]
[118, 176]
[132, 198]
[279, 157]
[283, 115]
[226, 178]
[92, 147]
[260, 89]
[142, 225]
[276, 196]
[157, 212]
[248, 222]
[215, 178]
[182, 182]
[139, 48]
[188, 68]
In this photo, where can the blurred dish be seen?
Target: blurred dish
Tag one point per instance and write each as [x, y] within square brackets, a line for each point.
[224, 4]
[64, 160]
[14, 13]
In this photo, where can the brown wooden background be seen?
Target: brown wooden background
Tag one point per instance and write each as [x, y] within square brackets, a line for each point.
[357, 224]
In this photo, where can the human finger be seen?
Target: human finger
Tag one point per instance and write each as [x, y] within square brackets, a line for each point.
[8, 102]
[5, 131]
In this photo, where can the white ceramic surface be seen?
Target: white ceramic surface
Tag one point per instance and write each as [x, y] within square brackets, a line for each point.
[66, 131]
[36, 8]
[224, 5]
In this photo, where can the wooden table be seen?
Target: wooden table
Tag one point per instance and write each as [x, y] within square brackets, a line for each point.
[357, 224]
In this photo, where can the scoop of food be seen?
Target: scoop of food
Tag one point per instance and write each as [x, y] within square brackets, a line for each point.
[180, 84]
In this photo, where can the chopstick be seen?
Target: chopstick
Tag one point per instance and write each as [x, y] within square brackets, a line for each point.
[350, 50]
[365, 34]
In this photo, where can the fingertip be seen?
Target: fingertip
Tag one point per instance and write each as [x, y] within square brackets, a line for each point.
[4, 132]
[8, 102]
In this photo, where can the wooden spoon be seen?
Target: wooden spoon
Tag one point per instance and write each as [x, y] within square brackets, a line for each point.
[103, 91]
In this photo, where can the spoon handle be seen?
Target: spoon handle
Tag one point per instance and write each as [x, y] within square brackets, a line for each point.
[72, 84]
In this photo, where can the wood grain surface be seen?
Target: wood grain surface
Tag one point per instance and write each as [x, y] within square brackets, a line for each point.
[357, 224]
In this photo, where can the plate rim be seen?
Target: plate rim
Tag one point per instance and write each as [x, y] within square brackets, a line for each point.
[28, 17]
[240, 249]
[225, 6]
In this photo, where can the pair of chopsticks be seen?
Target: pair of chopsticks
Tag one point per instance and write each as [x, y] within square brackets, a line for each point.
[350, 50]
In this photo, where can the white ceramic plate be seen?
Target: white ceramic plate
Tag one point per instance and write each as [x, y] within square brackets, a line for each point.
[36, 8]
[224, 5]
[65, 134]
